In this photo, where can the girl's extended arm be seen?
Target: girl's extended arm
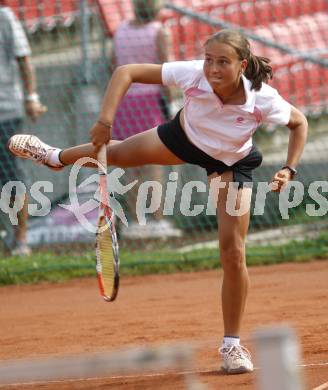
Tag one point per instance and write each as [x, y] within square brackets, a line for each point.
[120, 82]
[297, 138]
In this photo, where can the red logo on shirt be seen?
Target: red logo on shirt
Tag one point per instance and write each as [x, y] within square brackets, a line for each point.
[240, 119]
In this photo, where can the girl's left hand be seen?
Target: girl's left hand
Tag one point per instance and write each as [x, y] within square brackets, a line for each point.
[280, 180]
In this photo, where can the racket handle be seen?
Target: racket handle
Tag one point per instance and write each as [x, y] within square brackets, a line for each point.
[102, 159]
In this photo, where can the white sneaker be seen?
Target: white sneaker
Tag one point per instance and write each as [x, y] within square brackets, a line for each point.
[236, 359]
[32, 148]
[21, 250]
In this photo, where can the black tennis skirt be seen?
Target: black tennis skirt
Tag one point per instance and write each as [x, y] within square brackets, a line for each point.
[174, 138]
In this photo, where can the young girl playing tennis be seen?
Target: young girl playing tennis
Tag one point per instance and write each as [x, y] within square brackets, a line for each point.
[225, 101]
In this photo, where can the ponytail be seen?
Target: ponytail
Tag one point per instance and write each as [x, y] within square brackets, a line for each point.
[258, 70]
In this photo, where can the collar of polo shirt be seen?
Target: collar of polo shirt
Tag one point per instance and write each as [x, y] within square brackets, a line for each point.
[250, 93]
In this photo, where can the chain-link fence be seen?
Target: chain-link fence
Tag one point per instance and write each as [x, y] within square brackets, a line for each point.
[72, 51]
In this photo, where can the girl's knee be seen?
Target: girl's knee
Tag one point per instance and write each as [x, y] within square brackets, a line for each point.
[233, 258]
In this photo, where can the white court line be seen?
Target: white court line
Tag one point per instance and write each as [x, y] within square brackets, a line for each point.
[322, 387]
[153, 375]
[314, 364]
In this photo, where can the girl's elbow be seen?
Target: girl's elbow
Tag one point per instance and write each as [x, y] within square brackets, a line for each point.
[122, 69]
[298, 121]
[304, 121]
[123, 72]
[304, 126]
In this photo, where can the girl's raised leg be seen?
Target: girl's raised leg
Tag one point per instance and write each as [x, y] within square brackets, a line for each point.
[141, 149]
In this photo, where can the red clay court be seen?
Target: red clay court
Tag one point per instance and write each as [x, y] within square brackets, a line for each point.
[55, 319]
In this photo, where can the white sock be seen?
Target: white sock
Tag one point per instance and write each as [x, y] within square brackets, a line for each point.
[54, 158]
[230, 341]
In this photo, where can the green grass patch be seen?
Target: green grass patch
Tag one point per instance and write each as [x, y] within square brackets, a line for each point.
[47, 266]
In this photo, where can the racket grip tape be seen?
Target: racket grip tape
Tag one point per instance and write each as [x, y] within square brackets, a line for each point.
[102, 159]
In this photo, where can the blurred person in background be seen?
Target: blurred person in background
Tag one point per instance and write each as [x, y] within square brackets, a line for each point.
[143, 40]
[15, 66]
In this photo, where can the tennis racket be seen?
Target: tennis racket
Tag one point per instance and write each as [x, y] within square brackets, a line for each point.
[107, 251]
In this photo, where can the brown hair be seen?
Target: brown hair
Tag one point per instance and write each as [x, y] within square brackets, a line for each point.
[146, 10]
[258, 68]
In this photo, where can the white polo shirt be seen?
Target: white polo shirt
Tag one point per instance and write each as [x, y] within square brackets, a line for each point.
[223, 131]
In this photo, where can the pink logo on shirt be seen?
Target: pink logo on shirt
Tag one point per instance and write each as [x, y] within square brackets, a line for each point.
[240, 119]
[258, 115]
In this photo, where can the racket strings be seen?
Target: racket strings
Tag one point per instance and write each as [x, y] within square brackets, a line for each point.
[106, 258]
